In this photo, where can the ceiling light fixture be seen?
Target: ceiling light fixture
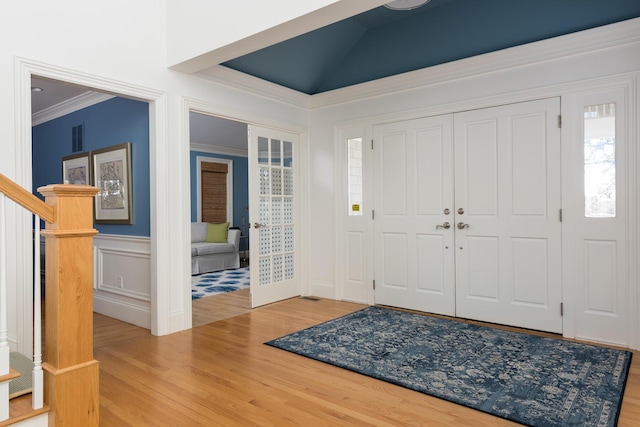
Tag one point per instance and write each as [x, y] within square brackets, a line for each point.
[36, 89]
[405, 4]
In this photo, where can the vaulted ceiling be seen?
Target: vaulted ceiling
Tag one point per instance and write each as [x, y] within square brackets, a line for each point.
[383, 42]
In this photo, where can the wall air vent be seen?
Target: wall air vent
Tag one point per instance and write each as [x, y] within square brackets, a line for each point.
[77, 138]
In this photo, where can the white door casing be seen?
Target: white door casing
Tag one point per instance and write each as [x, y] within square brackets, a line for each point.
[274, 182]
[413, 202]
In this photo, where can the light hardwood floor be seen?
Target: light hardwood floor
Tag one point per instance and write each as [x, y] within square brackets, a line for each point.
[220, 307]
[221, 374]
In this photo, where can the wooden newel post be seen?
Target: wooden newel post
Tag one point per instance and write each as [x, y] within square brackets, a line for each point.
[71, 386]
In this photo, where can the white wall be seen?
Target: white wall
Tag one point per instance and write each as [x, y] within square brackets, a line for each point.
[115, 46]
[214, 32]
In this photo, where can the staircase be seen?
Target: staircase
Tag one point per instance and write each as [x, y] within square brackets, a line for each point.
[65, 385]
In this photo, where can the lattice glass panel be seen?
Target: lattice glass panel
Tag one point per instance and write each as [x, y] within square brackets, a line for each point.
[276, 181]
[265, 241]
[277, 268]
[264, 270]
[287, 153]
[276, 204]
[288, 211]
[289, 271]
[264, 211]
[288, 238]
[263, 150]
[276, 152]
[288, 182]
[276, 239]
[276, 210]
[265, 185]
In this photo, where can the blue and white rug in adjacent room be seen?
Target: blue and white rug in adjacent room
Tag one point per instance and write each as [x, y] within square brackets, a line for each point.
[218, 282]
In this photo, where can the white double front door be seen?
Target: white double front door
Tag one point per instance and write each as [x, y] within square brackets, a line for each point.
[467, 215]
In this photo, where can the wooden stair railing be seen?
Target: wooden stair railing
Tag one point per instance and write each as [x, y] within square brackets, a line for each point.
[71, 385]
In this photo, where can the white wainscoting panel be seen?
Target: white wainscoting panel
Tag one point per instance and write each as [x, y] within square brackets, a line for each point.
[354, 285]
[122, 278]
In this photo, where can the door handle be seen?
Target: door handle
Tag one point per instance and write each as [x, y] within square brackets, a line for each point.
[446, 226]
[257, 225]
[462, 225]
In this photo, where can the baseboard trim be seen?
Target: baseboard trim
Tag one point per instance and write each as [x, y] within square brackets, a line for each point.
[134, 314]
[323, 290]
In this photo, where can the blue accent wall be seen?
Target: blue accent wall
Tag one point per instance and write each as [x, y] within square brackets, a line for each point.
[112, 122]
[240, 186]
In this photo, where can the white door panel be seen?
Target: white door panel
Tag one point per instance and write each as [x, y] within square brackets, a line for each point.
[413, 186]
[602, 248]
[500, 261]
[508, 260]
[273, 176]
[476, 165]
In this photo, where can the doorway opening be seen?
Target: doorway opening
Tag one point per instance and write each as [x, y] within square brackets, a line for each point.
[219, 180]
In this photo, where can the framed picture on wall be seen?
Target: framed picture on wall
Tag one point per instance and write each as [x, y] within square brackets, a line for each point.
[76, 169]
[112, 175]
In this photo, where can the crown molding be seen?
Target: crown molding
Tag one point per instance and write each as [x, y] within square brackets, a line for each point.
[246, 83]
[573, 44]
[68, 106]
[218, 150]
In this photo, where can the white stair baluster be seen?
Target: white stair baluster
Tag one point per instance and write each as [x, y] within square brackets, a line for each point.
[4, 331]
[38, 375]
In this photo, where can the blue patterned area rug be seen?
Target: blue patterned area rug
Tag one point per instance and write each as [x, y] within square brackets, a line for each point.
[218, 282]
[528, 379]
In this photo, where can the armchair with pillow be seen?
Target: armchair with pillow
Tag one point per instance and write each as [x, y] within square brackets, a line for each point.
[214, 247]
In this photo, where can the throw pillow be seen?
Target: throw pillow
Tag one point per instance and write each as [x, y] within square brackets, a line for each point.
[217, 233]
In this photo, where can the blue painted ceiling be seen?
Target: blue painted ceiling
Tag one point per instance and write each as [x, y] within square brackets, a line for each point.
[383, 42]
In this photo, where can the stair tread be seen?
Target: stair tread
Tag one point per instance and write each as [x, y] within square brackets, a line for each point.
[20, 409]
[13, 374]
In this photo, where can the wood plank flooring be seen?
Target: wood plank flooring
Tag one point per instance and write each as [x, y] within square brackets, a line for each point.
[221, 374]
[219, 307]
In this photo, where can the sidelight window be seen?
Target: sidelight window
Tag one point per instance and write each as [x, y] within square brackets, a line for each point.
[600, 161]
[354, 146]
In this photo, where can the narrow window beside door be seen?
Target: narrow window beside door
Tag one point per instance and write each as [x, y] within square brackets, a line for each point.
[600, 161]
[354, 146]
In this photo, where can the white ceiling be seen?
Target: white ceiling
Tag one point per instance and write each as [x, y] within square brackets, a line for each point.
[225, 136]
[208, 133]
[53, 93]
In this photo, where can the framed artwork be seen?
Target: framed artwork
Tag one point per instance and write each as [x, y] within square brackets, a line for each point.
[76, 169]
[112, 175]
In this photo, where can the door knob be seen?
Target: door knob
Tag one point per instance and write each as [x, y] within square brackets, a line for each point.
[446, 226]
[460, 211]
[257, 225]
[462, 225]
